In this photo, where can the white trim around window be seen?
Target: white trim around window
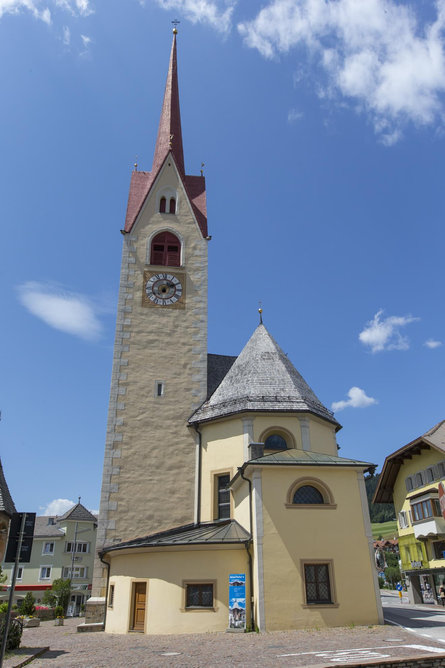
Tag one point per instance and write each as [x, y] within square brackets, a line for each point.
[45, 573]
[48, 547]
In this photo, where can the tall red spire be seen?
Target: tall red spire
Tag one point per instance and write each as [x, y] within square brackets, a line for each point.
[169, 132]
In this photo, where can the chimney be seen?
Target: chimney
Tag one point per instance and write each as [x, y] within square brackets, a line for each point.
[256, 450]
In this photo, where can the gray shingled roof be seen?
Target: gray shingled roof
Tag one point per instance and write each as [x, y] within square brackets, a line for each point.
[217, 368]
[6, 502]
[207, 533]
[43, 529]
[78, 513]
[262, 378]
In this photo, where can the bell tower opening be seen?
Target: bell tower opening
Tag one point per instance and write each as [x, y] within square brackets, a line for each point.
[165, 250]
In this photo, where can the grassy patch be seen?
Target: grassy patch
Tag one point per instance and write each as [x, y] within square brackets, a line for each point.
[385, 529]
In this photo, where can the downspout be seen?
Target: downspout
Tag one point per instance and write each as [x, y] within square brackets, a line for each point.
[107, 564]
[247, 545]
[198, 499]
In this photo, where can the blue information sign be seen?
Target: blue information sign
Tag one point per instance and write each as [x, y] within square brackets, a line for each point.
[399, 587]
[237, 601]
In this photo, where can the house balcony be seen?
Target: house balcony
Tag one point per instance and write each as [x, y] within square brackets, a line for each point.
[433, 526]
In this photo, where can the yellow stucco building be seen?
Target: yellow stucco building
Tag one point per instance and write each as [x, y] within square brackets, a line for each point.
[217, 469]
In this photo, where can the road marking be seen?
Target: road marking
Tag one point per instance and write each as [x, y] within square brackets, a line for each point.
[360, 653]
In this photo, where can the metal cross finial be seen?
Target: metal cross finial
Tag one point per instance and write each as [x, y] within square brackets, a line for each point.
[175, 23]
[202, 165]
[260, 311]
[78, 501]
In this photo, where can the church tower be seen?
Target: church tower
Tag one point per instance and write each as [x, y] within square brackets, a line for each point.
[159, 372]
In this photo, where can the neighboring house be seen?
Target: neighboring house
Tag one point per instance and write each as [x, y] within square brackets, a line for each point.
[412, 478]
[7, 508]
[63, 547]
[216, 466]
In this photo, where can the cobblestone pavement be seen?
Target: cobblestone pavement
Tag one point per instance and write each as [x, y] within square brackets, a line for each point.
[312, 647]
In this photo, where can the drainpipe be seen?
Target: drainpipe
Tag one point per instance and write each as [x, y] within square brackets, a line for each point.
[107, 564]
[198, 500]
[247, 545]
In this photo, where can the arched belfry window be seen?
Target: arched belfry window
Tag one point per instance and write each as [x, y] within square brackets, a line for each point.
[162, 205]
[165, 250]
[172, 207]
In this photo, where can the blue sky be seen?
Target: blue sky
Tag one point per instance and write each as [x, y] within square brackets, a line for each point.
[321, 124]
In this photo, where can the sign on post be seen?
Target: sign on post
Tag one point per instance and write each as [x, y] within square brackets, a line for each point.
[14, 535]
[237, 601]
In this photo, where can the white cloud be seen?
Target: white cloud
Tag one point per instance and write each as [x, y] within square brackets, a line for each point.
[40, 9]
[294, 115]
[376, 54]
[357, 399]
[57, 507]
[432, 343]
[66, 311]
[66, 35]
[384, 334]
[217, 14]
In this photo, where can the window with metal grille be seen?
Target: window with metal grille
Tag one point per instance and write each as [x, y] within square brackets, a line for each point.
[318, 587]
[199, 596]
[223, 500]
[275, 442]
[308, 494]
[166, 250]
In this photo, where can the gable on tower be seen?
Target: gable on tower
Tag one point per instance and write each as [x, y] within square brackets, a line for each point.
[168, 146]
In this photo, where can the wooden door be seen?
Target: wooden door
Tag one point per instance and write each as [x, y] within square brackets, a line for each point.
[140, 590]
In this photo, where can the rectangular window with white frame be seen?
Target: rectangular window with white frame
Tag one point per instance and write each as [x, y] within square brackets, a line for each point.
[403, 519]
[48, 548]
[45, 573]
[19, 573]
[83, 548]
[79, 572]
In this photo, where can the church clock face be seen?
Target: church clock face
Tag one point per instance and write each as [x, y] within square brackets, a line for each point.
[163, 289]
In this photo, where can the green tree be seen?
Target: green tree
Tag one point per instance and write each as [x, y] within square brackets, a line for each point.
[59, 594]
[27, 606]
[379, 512]
[392, 575]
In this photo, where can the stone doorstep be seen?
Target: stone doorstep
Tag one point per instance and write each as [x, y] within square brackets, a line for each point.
[22, 657]
[90, 627]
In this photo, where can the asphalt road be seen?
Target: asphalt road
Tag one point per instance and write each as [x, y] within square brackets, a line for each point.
[425, 621]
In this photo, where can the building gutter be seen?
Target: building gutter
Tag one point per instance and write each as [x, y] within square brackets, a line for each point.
[247, 545]
[198, 483]
[107, 564]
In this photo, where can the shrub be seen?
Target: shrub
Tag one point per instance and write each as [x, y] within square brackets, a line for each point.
[3, 608]
[14, 633]
[27, 606]
[58, 611]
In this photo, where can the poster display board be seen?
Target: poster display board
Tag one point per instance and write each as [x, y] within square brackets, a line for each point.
[237, 601]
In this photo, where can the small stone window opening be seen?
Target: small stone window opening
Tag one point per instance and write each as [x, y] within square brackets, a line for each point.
[159, 388]
[172, 207]
[111, 596]
[162, 205]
